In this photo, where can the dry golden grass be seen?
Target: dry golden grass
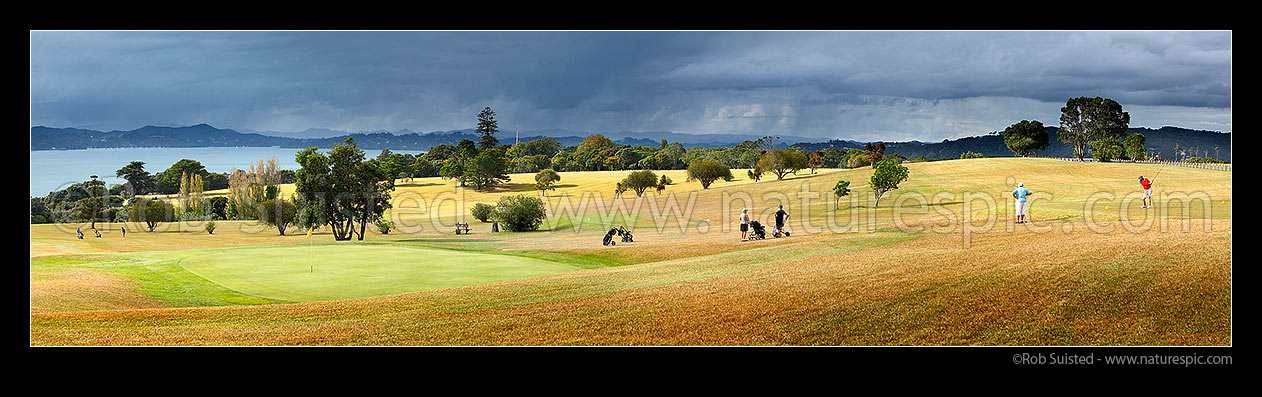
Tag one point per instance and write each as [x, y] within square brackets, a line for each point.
[1080, 288]
[79, 289]
[1078, 275]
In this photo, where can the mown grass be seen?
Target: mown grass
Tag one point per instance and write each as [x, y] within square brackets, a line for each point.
[906, 273]
[856, 289]
[156, 275]
[327, 272]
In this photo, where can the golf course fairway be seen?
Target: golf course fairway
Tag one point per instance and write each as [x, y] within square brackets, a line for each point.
[343, 271]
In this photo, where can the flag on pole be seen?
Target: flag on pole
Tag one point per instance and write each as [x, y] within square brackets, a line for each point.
[309, 233]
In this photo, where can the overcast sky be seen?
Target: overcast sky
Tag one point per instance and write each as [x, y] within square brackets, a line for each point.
[851, 85]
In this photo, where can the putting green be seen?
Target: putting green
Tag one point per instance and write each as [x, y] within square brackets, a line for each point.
[341, 271]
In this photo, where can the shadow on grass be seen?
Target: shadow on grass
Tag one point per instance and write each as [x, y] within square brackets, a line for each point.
[907, 205]
[411, 184]
[520, 187]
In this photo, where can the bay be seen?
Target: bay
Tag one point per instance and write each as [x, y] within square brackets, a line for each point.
[56, 169]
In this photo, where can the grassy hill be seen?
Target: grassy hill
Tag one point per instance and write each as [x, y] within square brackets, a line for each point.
[938, 263]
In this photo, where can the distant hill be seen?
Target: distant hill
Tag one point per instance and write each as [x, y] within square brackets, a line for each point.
[1161, 140]
[202, 135]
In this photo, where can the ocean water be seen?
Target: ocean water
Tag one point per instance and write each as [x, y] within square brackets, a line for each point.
[55, 169]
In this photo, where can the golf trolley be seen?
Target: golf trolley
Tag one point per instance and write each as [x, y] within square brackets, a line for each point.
[619, 231]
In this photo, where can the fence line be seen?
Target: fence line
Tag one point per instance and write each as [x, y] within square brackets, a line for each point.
[1210, 166]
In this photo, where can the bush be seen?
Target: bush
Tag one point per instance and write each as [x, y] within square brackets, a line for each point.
[384, 225]
[210, 226]
[520, 213]
[971, 155]
[1202, 160]
[482, 211]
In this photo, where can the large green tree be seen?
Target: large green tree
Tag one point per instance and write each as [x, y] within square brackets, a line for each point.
[488, 169]
[639, 181]
[593, 151]
[1084, 120]
[834, 158]
[138, 180]
[1134, 145]
[547, 146]
[546, 180]
[341, 189]
[782, 161]
[168, 181]
[487, 126]
[708, 171]
[151, 212]
[92, 208]
[1107, 149]
[279, 213]
[886, 176]
[1025, 137]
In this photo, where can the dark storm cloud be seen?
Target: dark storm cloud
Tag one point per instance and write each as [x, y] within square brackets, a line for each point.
[913, 85]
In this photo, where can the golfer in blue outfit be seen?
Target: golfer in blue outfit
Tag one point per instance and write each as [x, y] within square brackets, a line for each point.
[1020, 194]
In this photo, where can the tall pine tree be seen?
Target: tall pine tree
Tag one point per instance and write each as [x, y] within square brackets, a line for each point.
[487, 126]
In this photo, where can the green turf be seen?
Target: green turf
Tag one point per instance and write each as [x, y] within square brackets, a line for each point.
[158, 275]
[342, 271]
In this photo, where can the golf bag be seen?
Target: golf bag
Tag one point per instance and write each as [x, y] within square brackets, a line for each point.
[609, 237]
[779, 230]
[757, 231]
[626, 234]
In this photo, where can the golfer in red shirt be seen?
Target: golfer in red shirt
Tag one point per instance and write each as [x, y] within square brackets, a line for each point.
[1147, 185]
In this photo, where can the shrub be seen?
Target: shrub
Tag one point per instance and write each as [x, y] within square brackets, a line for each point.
[384, 225]
[210, 226]
[519, 213]
[971, 155]
[482, 211]
[1202, 160]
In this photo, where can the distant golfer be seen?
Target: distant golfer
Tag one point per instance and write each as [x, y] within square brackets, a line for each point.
[79, 232]
[1020, 194]
[98, 233]
[1147, 185]
[781, 216]
[744, 224]
[124, 230]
